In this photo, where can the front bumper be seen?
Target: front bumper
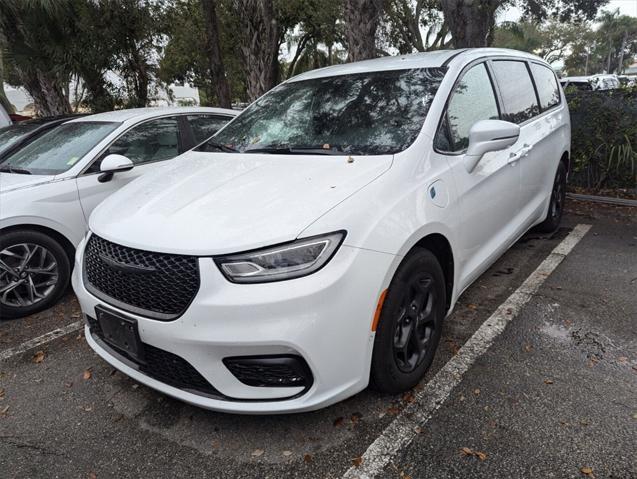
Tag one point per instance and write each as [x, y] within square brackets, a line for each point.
[325, 318]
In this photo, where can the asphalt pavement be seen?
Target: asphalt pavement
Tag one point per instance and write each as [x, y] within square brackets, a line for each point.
[555, 395]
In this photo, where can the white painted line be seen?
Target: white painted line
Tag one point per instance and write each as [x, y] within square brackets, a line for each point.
[402, 430]
[41, 340]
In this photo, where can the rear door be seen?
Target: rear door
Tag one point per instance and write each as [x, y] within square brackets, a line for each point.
[146, 145]
[203, 126]
[521, 105]
[488, 195]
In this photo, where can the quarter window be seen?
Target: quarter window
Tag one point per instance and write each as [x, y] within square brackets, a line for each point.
[546, 84]
[153, 140]
[516, 88]
[204, 126]
[472, 100]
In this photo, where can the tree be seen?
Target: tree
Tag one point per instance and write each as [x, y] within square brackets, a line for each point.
[260, 38]
[472, 22]
[362, 18]
[36, 35]
[405, 21]
[217, 70]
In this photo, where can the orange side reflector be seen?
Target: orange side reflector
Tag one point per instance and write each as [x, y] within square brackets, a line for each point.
[379, 308]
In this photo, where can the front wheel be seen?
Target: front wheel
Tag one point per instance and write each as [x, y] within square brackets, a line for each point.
[558, 198]
[410, 324]
[34, 273]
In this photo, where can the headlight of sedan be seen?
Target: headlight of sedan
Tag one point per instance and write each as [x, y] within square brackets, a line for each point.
[285, 261]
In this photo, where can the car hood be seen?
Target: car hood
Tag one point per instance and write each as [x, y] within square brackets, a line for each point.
[214, 203]
[14, 181]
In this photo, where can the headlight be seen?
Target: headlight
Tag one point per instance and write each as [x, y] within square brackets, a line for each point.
[285, 261]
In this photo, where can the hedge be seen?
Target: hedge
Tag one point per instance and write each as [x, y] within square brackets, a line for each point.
[604, 138]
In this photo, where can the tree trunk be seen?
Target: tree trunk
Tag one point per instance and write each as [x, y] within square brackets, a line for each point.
[620, 66]
[4, 101]
[215, 60]
[260, 41]
[470, 21]
[361, 22]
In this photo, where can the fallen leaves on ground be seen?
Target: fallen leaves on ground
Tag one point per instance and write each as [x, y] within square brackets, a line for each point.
[528, 348]
[472, 306]
[38, 357]
[453, 346]
[92, 475]
[338, 421]
[467, 451]
[3, 411]
[548, 381]
[356, 417]
[418, 430]
[587, 471]
[476, 391]
[257, 453]
[393, 410]
[1, 393]
[409, 397]
[287, 453]
[307, 457]
[357, 461]
[87, 374]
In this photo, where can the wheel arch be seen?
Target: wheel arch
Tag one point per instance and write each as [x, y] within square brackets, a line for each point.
[66, 244]
[566, 159]
[440, 247]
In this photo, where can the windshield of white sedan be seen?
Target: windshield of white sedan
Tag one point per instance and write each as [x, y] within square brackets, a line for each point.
[370, 113]
[59, 149]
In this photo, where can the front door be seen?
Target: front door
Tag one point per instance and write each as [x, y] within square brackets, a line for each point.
[145, 144]
[489, 195]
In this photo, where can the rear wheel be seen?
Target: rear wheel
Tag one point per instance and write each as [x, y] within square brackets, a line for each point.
[558, 198]
[34, 273]
[410, 324]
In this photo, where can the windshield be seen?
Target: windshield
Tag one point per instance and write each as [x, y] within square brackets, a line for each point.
[58, 150]
[12, 134]
[370, 113]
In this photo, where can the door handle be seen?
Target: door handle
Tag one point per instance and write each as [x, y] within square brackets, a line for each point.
[521, 153]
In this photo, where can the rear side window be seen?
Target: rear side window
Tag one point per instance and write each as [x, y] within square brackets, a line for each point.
[472, 100]
[154, 140]
[516, 88]
[204, 126]
[546, 84]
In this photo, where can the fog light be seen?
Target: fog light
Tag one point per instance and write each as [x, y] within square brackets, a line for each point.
[270, 371]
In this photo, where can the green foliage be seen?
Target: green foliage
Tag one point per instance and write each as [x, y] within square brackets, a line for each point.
[604, 138]
[184, 56]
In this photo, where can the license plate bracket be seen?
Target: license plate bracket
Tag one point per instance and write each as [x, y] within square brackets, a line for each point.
[120, 332]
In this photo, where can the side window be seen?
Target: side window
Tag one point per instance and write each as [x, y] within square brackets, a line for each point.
[471, 101]
[204, 126]
[516, 87]
[153, 140]
[546, 84]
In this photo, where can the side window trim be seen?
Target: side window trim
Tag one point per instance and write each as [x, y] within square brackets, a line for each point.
[441, 122]
[99, 156]
[537, 93]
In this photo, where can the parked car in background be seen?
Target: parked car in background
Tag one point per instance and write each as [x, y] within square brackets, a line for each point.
[590, 83]
[627, 80]
[18, 135]
[5, 120]
[315, 244]
[49, 187]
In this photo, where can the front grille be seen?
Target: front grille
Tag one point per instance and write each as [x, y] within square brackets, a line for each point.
[156, 285]
[161, 365]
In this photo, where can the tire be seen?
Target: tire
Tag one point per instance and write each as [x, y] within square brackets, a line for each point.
[556, 207]
[40, 267]
[416, 296]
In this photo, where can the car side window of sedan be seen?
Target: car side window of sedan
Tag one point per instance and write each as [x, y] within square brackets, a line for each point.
[472, 100]
[153, 140]
[204, 126]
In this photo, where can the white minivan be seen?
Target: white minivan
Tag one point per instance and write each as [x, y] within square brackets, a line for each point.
[315, 244]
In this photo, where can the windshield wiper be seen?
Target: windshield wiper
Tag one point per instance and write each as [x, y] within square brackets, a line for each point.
[301, 150]
[216, 146]
[14, 169]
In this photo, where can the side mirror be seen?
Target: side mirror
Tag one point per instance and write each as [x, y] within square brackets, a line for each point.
[489, 135]
[112, 164]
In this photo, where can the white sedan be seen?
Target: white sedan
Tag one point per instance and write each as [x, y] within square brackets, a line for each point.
[49, 188]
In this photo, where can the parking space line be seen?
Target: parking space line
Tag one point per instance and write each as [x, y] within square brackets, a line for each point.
[402, 430]
[40, 340]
